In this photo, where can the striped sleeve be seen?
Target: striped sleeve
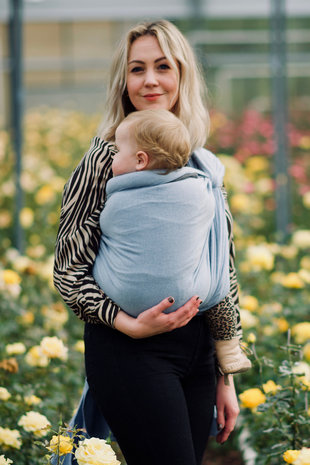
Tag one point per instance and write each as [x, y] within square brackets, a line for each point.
[79, 234]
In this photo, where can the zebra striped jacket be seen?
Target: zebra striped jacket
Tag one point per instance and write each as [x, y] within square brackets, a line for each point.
[79, 235]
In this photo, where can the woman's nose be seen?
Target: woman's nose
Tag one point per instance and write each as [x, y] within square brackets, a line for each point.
[150, 78]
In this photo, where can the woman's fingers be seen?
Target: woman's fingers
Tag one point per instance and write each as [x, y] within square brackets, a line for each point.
[227, 408]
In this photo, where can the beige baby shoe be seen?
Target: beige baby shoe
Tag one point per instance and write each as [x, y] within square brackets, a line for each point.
[231, 357]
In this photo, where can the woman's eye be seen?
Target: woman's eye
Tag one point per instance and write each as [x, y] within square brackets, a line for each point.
[136, 69]
[164, 66]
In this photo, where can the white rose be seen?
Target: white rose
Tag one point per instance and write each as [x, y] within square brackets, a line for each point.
[301, 238]
[4, 393]
[4, 461]
[53, 347]
[95, 451]
[35, 423]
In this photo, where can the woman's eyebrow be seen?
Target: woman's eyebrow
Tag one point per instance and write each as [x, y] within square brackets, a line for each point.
[142, 62]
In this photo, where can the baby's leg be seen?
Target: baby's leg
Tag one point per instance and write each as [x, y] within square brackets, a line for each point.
[222, 320]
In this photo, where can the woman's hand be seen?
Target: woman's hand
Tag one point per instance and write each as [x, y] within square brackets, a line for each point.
[227, 408]
[154, 321]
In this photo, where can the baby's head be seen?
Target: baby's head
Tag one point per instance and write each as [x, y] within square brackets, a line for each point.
[152, 140]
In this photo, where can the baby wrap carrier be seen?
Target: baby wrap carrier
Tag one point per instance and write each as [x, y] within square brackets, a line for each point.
[161, 236]
[205, 174]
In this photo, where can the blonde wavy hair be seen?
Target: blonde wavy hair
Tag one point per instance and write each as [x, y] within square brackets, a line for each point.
[191, 104]
[162, 136]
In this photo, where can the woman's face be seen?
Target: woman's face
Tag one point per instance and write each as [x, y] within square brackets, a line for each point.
[152, 82]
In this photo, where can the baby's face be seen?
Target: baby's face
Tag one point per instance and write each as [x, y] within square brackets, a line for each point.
[125, 158]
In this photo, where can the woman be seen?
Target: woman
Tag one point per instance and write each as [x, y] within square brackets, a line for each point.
[153, 377]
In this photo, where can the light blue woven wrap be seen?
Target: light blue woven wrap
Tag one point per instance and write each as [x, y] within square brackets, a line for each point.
[164, 235]
[210, 175]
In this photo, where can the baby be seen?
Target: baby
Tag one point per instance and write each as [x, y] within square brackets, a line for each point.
[164, 228]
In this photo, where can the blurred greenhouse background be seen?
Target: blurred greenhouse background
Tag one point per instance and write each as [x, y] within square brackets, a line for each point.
[256, 61]
[68, 46]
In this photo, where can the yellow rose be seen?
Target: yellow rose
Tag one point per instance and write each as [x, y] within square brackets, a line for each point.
[79, 346]
[304, 275]
[290, 455]
[304, 142]
[306, 199]
[240, 203]
[10, 438]
[5, 218]
[10, 277]
[34, 422]
[260, 257]
[277, 277]
[32, 400]
[271, 387]
[271, 308]
[60, 445]
[53, 347]
[4, 461]
[26, 217]
[301, 238]
[251, 338]
[45, 195]
[251, 398]
[257, 163]
[306, 351]
[303, 457]
[55, 317]
[36, 358]
[301, 332]
[282, 324]
[288, 251]
[249, 302]
[16, 348]
[95, 451]
[305, 262]
[248, 320]
[292, 281]
[4, 393]
[27, 318]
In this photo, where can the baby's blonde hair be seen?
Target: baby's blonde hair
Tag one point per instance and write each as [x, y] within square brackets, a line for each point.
[191, 104]
[162, 136]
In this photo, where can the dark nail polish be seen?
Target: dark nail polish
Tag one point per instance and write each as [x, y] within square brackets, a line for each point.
[170, 299]
[197, 298]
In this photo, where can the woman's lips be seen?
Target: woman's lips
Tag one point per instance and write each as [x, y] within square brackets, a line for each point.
[152, 96]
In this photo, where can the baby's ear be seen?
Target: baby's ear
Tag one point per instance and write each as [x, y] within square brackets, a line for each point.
[142, 160]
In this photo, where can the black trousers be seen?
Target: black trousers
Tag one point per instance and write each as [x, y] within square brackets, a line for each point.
[157, 394]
